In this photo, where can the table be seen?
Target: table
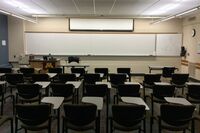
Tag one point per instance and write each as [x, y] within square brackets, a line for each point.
[73, 65]
[161, 83]
[2, 75]
[192, 83]
[44, 85]
[52, 75]
[158, 68]
[3, 84]
[177, 100]
[133, 83]
[56, 102]
[135, 100]
[104, 83]
[98, 101]
[77, 85]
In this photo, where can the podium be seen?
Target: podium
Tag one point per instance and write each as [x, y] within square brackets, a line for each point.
[44, 64]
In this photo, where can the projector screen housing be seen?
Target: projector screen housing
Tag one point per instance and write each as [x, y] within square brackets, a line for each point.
[82, 24]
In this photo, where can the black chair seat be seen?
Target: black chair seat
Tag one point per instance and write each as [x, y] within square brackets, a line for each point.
[4, 119]
[36, 127]
[126, 128]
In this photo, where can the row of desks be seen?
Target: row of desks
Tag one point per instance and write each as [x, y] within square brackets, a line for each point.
[57, 101]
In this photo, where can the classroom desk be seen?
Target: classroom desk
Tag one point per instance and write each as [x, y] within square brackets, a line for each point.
[74, 65]
[77, 85]
[192, 83]
[51, 75]
[104, 83]
[45, 85]
[177, 100]
[2, 76]
[98, 101]
[158, 68]
[161, 83]
[56, 102]
[135, 100]
[133, 83]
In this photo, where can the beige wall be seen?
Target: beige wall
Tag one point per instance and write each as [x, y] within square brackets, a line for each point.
[138, 64]
[192, 44]
[15, 38]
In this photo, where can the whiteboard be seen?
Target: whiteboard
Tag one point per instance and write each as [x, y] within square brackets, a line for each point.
[90, 44]
[168, 44]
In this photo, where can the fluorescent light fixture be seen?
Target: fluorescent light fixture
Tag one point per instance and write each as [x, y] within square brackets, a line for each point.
[176, 15]
[24, 18]
[167, 18]
[164, 9]
[186, 12]
[22, 6]
[164, 19]
[17, 16]
[4, 12]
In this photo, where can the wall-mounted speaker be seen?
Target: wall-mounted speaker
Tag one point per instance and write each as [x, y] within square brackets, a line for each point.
[183, 51]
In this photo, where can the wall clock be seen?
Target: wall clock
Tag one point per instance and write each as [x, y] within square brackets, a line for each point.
[193, 32]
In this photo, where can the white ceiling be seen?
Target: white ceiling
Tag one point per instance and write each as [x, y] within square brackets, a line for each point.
[120, 8]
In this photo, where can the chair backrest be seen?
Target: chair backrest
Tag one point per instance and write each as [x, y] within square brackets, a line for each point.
[55, 70]
[26, 70]
[100, 90]
[179, 78]
[117, 79]
[73, 59]
[161, 91]
[14, 78]
[30, 114]
[128, 115]
[168, 71]
[91, 78]
[1, 90]
[151, 78]
[28, 91]
[66, 77]
[80, 114]
[78, 70]
[124, 70]
[5, 70]
[129, 90]
[40, 77]
[175, 114]
[60, 89]
[194, 91]
[101, 70]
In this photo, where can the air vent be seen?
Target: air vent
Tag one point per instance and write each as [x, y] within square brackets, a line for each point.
[191, 18]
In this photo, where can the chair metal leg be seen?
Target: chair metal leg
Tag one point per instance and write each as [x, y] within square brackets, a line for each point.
[25, 130]
[151, 124]
[144, 93]
[152, 107]
[139, 131]
[193, 126]
[11, 125]
[159, 125]
[16, 125]
[2, 103]
[111, 126]
[144, 125]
